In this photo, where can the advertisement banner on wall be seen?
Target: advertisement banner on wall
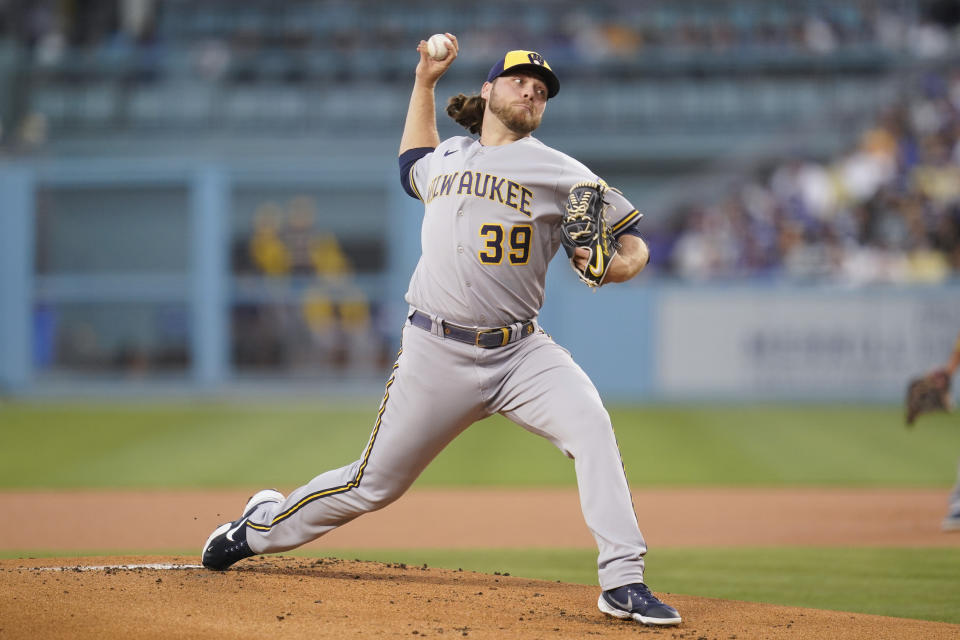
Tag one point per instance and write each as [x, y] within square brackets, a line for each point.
[797, 343]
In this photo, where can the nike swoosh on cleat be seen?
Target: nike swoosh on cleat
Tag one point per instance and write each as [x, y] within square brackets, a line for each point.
[447, 153]
[628, 606]
[235, 529]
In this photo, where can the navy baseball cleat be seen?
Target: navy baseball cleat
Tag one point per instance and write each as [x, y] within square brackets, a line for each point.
[952, 521]
[228, 542]
[635, 601]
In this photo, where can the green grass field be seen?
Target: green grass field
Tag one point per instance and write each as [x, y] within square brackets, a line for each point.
[203, 445]
[907, 583]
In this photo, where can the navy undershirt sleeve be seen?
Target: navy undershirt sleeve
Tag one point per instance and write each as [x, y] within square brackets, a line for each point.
[407, 158]
[633, 230]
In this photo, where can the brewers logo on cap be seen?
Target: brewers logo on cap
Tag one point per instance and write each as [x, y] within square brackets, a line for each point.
[520, 60]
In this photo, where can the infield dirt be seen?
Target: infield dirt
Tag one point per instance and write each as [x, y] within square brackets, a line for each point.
[278, 596]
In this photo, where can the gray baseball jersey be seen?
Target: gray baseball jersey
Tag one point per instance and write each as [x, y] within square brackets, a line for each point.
[490, 228]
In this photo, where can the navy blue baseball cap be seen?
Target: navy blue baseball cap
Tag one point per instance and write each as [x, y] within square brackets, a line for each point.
[531, 61]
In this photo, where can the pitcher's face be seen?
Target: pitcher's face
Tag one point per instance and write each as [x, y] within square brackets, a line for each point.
[518, 100]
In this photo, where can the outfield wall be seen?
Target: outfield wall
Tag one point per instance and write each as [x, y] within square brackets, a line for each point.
[751, 342]
[795, 342]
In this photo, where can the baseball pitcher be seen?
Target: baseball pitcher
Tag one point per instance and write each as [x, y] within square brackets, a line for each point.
[497, 208]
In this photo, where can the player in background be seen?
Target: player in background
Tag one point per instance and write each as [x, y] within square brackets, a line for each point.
[952, 521]
[472, 346]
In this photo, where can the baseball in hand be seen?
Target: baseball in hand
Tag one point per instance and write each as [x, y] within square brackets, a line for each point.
[437, 46]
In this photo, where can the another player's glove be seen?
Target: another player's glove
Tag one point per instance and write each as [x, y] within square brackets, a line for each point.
[928, 393]
[585, 225]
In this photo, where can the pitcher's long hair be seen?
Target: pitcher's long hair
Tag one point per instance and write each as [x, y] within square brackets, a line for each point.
[467, 111]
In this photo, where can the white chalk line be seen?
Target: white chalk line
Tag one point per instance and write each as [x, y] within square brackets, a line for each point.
[121, 567]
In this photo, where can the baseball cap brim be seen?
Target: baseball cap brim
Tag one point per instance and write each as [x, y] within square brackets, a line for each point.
[527, 61]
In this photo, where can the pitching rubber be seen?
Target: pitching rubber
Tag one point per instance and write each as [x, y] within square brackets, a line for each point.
[623, 615]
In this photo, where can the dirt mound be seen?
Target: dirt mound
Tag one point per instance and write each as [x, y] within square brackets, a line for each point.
[475, 518]
[164, 597]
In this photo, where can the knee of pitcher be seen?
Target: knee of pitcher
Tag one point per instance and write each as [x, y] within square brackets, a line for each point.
[378, 498]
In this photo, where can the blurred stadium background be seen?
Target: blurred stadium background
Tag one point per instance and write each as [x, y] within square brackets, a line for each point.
[202, 197]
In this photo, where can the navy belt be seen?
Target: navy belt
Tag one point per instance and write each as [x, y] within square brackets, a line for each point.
[483, 338]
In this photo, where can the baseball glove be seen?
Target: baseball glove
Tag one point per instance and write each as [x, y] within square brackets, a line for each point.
[928, 393]
[584, 224]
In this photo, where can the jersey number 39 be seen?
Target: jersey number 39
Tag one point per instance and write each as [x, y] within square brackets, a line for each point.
[519, 239]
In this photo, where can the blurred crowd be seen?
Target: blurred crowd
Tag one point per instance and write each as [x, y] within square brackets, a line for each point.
[322, 318]
[220, 36]
[56, 29]
[885, 211]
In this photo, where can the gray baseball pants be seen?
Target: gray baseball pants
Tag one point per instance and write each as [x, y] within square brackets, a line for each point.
[439, 387]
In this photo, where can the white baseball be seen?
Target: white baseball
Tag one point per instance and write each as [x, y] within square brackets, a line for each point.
[437, 46]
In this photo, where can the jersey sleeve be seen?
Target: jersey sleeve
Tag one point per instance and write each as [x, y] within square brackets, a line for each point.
[412, 171]
[632, 229]
[622, 215]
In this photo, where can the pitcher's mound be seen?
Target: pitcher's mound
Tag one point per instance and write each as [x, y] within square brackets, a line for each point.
[276, 596]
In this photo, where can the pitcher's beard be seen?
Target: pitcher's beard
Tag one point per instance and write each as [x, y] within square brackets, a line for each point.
[519, 121]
